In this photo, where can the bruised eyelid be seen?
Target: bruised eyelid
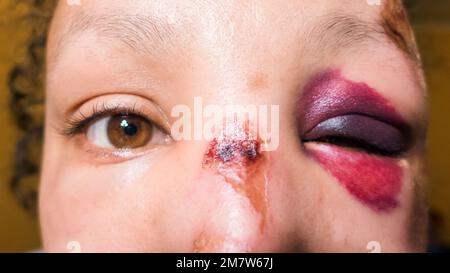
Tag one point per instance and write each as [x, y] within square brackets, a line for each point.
[330, 99]
[362, 132]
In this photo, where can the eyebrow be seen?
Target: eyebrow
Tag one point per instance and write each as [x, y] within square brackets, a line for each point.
[337, 31]
[141, 33]
[333, 32]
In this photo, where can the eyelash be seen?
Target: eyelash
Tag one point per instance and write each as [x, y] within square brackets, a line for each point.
[346, 137]
[79, 123]
[350, 142]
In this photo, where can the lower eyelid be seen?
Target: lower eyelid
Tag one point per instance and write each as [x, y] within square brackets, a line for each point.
[106, 155]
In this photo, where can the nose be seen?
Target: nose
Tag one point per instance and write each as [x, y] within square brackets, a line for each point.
[234, 158]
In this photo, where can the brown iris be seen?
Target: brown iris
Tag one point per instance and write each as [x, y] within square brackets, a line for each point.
[128, 131]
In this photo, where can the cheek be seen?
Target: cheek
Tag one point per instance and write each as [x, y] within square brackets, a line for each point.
[375, 181]
[90, 204]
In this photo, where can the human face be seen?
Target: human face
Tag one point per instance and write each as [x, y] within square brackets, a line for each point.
[348, 167]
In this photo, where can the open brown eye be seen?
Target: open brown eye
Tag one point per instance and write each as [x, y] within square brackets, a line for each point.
[129, 131]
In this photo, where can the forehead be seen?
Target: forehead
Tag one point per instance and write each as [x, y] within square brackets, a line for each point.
[222, 43]
[156, 26]
[208, 20]
[221, 10]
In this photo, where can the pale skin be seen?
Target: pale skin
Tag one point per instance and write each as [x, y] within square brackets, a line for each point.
[158, 197]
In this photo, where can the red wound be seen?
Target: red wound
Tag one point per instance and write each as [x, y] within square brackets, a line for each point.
[236, 155]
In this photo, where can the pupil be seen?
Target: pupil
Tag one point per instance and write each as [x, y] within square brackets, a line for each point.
[129, 129]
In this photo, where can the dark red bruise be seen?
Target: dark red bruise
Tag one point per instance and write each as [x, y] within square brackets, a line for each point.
[374, 180]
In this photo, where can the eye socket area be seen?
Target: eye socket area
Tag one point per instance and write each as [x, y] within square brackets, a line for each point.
[360, 132]
[124, 131]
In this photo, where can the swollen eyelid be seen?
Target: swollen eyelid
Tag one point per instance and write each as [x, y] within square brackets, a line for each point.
[377, 134]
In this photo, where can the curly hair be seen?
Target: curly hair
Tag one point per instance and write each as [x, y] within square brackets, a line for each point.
[26, 89]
